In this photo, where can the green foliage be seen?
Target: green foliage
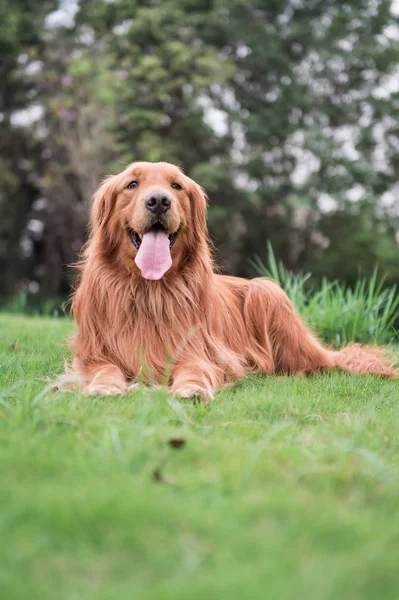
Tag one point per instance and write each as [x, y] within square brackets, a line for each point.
[339, 314]
[31, 304]
[274, 107]
[358, 240]
[21, 27]
[285, 487]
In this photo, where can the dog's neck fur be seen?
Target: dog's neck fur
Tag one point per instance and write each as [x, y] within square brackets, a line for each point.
[119, 293]
[131, 322]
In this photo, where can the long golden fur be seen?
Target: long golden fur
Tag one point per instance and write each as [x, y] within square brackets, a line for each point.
[194, 330]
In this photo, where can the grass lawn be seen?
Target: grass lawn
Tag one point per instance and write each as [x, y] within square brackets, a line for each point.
[284, 488]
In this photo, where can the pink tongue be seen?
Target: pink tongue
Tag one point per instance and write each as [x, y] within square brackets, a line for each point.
[153, 257]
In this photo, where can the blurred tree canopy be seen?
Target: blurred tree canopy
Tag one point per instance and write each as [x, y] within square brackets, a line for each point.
[286, 111]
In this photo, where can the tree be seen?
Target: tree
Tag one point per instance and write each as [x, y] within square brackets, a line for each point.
[20, 24]
[299, 87]
[78, 149]
[164, 73]
[285, 111]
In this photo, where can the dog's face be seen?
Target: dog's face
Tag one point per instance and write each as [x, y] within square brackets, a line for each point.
[151, 214]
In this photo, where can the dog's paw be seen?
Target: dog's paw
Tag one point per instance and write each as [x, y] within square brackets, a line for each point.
[99, 389]
[137, 386]
[195, 391]
[133, 386]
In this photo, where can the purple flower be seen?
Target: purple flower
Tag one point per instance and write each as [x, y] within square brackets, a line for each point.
[123, 74]
[66, 80]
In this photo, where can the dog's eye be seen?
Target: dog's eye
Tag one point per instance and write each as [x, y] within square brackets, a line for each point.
[176, 186]
[131, 185]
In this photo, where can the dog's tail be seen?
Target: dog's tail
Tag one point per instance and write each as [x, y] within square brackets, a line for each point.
[356, 358]
[284, 344]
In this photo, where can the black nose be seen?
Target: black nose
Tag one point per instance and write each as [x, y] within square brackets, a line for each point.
[158, 202]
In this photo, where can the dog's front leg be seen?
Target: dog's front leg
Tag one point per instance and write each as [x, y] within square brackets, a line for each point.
[192, 379]
[107, 380]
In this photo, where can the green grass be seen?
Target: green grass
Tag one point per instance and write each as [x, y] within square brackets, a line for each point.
[285, 488]
[366, 313]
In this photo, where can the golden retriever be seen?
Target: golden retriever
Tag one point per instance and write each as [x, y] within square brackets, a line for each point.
[150, 308]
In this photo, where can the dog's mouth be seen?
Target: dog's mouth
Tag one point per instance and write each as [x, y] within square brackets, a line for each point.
[153, 256]
[136, 239]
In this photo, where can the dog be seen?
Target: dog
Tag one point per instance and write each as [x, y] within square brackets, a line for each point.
[149, 306]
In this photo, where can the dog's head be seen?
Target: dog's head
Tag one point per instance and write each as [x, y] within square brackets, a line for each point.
[150, 214]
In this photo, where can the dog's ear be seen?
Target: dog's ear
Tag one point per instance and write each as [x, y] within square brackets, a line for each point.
[199, 203]
[103, 202]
